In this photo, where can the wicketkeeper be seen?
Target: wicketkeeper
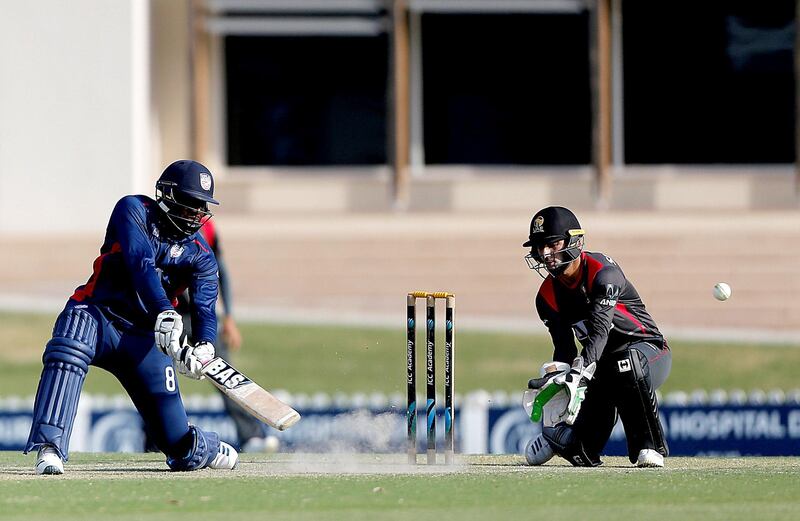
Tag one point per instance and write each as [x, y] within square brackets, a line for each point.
[123, 320]
[624, 357]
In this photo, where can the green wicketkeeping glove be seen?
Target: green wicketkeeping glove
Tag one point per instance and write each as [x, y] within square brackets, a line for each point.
[575, 381]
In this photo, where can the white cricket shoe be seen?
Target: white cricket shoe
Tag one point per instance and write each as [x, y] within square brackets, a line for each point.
[48, 461]
[226, 457]
[649, 458]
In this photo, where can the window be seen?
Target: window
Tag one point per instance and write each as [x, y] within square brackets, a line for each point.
[708, 82]
[506, 89]
[306, 100]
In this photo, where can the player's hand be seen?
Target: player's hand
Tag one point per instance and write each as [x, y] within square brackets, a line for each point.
[539, 383]
[193, 358]
[169, 327]
[231, 334]
[547, 372]
[575, 381]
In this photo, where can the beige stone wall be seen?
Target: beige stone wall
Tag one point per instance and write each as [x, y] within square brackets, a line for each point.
[171, 82]
[261, 191]
[356, 268]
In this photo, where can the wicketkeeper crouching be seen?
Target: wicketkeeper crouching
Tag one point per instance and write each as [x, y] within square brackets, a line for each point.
[586, 296]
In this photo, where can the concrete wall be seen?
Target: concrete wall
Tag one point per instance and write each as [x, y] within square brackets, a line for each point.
[74, 100]
[500, 190]
[171, 82]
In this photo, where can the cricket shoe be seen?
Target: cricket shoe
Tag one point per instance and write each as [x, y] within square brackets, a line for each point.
[48, 461]
[649, 458]
[226, 457]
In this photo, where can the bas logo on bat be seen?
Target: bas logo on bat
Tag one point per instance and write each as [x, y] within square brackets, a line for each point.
[222, 372]
[249, 395]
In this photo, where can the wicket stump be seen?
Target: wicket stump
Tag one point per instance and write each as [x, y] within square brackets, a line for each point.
[430, 366]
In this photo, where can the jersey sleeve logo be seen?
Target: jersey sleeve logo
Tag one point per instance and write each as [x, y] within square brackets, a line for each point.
[611, 295]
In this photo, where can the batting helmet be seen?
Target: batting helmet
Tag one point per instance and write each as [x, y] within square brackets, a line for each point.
[183, 192]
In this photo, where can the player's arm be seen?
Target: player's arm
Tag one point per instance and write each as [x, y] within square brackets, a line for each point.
[564, 348]
[204, 289]
[230, 331]
[130, 224]
[606, 289]
[190, 359]
[224, 281]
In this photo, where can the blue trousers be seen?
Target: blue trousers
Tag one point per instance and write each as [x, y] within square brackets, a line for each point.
[129, 354]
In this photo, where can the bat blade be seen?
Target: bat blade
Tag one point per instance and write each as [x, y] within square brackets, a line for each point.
[249, 395]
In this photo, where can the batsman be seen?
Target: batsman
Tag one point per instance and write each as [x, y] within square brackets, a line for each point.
[124, 321]
[623, 359]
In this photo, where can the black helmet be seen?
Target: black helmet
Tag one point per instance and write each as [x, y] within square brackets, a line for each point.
[551, 224]
[183, 192]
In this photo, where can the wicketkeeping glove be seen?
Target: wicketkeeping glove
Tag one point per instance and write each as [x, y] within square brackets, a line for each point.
[575, 381]
[192, 359]
[542, 390]
[169, 327]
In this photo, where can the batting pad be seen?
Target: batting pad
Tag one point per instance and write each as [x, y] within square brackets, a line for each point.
[56, 406]
[66, 360]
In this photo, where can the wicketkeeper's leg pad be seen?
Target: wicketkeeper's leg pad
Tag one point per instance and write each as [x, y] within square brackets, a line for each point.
[66, 361]
[564, 441]
[637, 405]
[538, 451]
[203, 448]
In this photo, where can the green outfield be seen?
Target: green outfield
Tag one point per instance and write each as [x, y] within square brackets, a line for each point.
[303, 358]
[369, 487]
[379, 486]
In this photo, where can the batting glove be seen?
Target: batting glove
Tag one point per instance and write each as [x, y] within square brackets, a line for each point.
[193, 358]
[575, 381]
[169, 327]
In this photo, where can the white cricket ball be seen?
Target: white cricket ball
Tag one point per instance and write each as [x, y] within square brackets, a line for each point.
[722, 291]
[271, 444]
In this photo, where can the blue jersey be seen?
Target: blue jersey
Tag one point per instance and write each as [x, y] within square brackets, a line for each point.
[141, 271]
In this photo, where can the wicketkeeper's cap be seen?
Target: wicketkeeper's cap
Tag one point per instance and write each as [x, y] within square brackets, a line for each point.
[553, 223]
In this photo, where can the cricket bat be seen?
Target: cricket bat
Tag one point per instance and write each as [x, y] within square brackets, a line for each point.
[248, 394]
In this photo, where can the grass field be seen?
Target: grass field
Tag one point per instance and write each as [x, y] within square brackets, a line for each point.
[302, 358]
[314, 487]
[353, 487]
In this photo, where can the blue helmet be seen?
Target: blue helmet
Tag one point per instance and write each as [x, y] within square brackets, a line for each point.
[184, 191]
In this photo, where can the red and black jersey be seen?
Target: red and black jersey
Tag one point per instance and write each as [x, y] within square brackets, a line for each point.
[603, 311]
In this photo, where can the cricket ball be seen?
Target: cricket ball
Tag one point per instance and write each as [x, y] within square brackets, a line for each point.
[722, 291]
[271, 444]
